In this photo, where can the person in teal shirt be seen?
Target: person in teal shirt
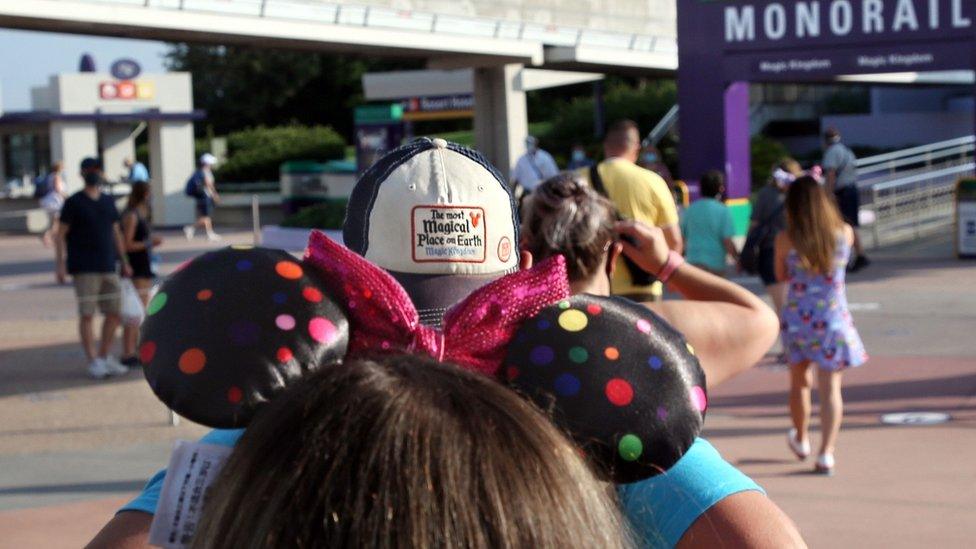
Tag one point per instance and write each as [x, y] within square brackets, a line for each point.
[707, 227]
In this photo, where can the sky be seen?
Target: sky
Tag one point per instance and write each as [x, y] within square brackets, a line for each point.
[28, 58]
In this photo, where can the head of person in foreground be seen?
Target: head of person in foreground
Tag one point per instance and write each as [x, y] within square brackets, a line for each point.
[402, 451]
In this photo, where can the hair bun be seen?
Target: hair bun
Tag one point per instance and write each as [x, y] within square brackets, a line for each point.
[619, 379]
[234, 327]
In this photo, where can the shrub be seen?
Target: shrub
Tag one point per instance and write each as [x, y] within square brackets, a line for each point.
[324, 215]
[256, 154]
[645, 104]
[765, 153]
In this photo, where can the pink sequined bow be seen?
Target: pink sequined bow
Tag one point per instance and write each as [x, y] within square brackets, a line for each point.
[475, 332]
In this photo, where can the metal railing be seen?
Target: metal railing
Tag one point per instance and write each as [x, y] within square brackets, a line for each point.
[911, 192]
[614, 30]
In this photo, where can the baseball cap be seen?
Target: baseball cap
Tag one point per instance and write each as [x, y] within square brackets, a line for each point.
[439, 218]
[208, 159]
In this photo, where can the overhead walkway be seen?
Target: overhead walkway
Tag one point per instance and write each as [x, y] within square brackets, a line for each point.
[587, 34]
[910, 193]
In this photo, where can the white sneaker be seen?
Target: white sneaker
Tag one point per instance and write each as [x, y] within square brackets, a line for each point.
[115, 367]
[800, 449]
[97, 369]
[214, 237]
[825, 465]
[189, 231]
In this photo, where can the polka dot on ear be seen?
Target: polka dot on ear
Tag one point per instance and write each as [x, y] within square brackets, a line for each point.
[655, 362]
[244, 332]
[147, 351]
[630, 447]
[698, 398]
[285, 322]
[242, 247]
[157, 303]
[322, 330]
[205, 294]
[542, 355]
[578, 355]
[235, 395]
[572, 320]
[192, 361]
[284, 354]
[564, 304]
[311, 294]
[643, 326]
[244, 265]
[594, 308]
[279, 298]
[619, 392]
[567, 385]
[612, 353]
[511, 373]
[662, 413]
[289, 270]
[543, 324]
[690, 348]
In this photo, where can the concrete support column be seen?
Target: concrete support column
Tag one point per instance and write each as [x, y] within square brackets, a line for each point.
[70, 143]
[500, 115]
[117, 145]
[171, 163]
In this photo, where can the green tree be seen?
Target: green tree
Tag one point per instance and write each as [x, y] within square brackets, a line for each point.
[242, 86]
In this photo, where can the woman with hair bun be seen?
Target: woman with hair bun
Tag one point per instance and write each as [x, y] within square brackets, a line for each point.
[702, 501]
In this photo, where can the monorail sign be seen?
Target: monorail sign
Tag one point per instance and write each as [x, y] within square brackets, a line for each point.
[723, 44]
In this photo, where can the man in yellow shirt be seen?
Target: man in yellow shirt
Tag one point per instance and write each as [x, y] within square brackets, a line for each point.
[638, 194]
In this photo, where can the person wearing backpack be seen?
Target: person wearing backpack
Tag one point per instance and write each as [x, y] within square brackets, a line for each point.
[201, 188]
[49, 190]
[767, 220]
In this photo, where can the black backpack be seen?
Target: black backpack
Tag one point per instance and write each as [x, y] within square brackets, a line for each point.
[194, 186]
[42, 185]
[759, 237]
[639, 276]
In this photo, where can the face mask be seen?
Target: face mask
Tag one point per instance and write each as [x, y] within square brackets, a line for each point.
[92, 178]
[579, 155]
[650, 158]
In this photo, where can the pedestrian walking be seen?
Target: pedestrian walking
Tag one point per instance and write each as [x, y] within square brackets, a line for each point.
[50, 189]
[139, 245]
[202, 189]
[89, 246]
[137, 171]
[637, 194]
[707, 227]
[533, 167]
[840, 170]
[817, 328]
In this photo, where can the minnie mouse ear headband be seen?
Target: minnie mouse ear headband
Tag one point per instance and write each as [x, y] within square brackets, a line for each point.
[232, 328]
[619, 379]
[783, 178]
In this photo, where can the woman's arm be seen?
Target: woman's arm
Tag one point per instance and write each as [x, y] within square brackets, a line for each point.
[129, 222]
[729, 327]
[59, 184]
[746, 519]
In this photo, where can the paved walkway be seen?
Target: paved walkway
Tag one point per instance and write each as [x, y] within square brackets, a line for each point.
[72, 449]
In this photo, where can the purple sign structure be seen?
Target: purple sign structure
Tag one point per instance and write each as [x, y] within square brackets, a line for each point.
[725, 44]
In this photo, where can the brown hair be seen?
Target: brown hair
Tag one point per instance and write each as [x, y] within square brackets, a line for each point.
[566, 216]
[813, 224]
[402, 451]
[138, 195]
[619, 134]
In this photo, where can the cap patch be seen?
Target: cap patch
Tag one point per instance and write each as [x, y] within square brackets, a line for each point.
[449, 234]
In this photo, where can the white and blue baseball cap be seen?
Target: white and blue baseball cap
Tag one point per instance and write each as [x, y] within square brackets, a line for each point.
[437, 216]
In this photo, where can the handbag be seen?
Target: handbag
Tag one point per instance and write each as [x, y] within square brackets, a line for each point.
[132, 311]
[756, 240]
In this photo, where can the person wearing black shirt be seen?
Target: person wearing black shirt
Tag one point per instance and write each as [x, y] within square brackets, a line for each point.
[89, 233]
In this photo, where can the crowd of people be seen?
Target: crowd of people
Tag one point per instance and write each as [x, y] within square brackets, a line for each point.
[402, 449]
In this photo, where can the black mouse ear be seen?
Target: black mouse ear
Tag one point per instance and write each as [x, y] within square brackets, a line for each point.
[232, 328]
[617, 378]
